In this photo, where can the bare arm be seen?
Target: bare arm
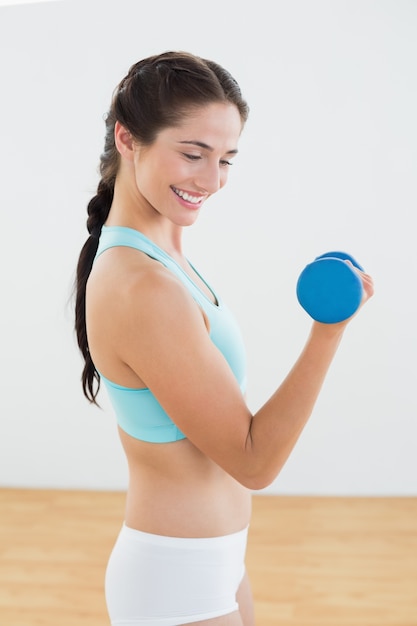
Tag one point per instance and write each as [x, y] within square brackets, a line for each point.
[169, 348]
[276, 427]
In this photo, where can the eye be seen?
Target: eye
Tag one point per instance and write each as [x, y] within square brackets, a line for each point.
[225, 163]
[191, 157]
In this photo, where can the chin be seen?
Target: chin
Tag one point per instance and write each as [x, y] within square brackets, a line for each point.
[187, 220]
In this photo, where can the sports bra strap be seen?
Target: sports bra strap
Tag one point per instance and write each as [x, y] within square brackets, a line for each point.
[114, 236]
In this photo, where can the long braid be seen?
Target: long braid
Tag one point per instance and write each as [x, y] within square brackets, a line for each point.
[98, 209]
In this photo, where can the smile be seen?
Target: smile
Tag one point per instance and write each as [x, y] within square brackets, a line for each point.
[187, 196]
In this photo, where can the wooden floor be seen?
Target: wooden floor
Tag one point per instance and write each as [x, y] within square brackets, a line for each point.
[312, 561]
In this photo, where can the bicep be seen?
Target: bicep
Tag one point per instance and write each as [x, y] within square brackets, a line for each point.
[169, 348]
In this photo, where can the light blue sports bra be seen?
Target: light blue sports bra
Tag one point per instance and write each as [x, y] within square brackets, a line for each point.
[138, 412]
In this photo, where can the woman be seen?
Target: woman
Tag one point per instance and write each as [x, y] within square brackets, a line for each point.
[171, 357]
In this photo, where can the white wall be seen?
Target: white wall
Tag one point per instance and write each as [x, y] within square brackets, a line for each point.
[328, 160]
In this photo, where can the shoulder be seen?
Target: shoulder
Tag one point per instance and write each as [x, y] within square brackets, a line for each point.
[139, 291]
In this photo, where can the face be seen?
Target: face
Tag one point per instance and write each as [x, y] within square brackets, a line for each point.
[188, 163]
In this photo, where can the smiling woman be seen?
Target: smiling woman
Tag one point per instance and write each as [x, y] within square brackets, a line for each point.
[171, 356]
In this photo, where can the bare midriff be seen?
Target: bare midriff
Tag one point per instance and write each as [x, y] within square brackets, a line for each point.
[175, 490]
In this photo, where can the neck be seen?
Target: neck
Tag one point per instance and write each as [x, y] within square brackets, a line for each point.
[157, 228]
[132, 210]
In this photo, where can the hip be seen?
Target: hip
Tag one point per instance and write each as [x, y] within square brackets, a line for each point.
[153, 579]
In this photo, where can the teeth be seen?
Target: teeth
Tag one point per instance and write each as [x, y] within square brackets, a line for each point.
[186, 196]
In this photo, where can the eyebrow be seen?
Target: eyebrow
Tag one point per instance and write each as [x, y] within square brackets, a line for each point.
[203, 145]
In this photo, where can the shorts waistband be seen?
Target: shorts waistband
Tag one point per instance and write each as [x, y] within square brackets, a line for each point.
[184, 542]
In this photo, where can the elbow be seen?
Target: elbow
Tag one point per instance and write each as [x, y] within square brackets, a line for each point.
[257, 471]
[256, 481]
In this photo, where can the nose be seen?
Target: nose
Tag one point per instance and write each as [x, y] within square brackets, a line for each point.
[211, 178]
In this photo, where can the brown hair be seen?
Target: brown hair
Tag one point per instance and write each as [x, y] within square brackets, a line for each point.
[156, 93]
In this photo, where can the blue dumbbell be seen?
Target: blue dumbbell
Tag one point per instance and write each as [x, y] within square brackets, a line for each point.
[329, 289]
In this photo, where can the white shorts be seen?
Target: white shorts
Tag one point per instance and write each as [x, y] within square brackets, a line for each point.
[155, 580]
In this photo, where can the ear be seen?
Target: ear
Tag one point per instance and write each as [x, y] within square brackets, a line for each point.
[124, 141]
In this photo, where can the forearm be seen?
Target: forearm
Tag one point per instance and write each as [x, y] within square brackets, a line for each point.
[276, 427]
